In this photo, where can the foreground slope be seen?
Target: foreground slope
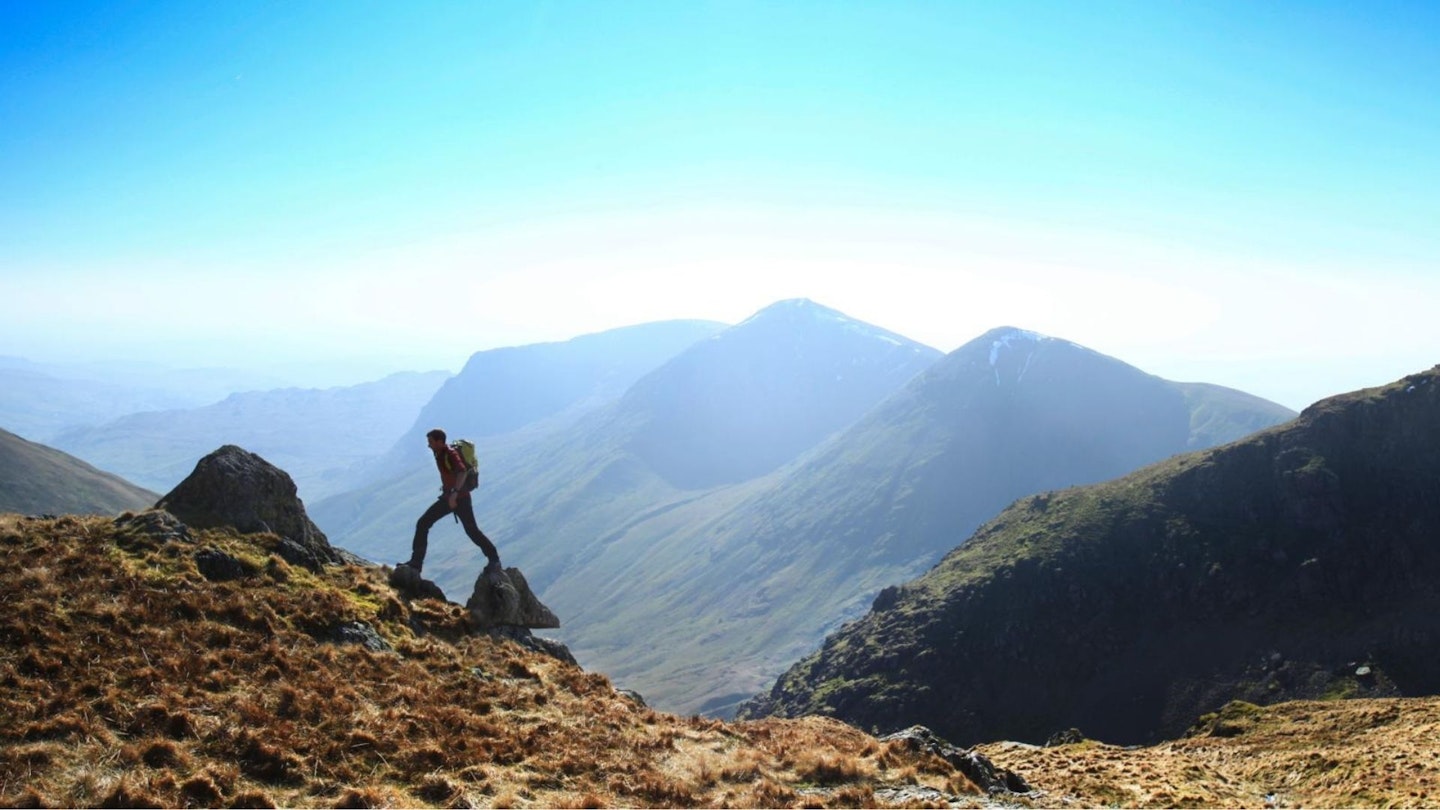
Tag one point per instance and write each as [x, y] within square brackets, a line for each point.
[1332, 753]
[39, 479]
[706, 602]
[1300, 562]
[128, 678]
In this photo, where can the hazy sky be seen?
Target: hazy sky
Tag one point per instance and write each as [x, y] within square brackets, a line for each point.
[1243, 193]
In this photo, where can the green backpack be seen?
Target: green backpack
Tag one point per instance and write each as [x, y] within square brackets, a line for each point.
[466, 448]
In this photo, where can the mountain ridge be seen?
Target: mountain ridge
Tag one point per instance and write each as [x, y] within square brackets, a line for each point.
[1241, 557]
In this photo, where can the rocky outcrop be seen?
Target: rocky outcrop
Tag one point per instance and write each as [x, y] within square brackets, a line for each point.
[155, 524]
[234, 487]
[411, 585]
[976, 766]
[501, 606]
[504, 598]
[217, 566]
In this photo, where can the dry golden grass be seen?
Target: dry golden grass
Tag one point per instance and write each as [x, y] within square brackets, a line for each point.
[1350, 753]
[127, 679]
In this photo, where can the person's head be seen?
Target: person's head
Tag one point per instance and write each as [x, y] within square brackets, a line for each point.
[435, 438]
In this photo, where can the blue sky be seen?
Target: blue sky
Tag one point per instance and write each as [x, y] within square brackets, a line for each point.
[1241, 193]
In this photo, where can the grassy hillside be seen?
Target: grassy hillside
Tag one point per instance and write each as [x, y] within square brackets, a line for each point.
[36, 479]
[1297, 563]
[128, 679]
[1334, 753]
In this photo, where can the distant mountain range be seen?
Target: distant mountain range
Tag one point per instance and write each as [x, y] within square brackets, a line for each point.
[321, 437]
[748, 495]
[41, 400]
[35, 479]
[1298, 562]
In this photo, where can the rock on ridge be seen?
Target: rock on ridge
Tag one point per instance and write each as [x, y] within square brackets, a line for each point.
[504, 598]
[975, 765]
[237, 488]
[501, 605]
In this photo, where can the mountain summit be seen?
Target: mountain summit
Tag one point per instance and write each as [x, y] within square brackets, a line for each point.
[754, 396]
[1299, 562]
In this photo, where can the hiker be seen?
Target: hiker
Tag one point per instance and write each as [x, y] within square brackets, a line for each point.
[453, 498]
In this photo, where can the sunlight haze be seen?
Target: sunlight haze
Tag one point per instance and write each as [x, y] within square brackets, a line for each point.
[1237, 193]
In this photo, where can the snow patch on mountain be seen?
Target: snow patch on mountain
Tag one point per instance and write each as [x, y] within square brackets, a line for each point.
[1017, 340]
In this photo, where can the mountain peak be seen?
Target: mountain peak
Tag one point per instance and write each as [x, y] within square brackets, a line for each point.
[1010, 338]
[792, 312]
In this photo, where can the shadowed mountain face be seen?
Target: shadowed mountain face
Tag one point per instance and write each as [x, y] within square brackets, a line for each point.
[36, 479]
[1299, 562]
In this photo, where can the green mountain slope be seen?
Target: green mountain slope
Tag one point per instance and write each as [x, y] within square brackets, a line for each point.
[707, 599]
[320, 435]
[1299, 562]
[35, 479]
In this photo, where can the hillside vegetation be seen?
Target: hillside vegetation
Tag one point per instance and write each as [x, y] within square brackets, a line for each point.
[129, 679]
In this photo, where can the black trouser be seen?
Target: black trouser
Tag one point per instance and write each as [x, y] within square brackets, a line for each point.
[466, 511]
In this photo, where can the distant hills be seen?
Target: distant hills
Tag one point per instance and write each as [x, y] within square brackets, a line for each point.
[321, 437]
[748, 495]
[35, 479]
[41, 400]
[1298, 562]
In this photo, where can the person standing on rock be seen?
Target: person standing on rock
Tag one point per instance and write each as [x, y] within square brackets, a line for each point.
[453, 499]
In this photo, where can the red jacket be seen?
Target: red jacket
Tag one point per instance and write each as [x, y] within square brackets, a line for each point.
[448, 462]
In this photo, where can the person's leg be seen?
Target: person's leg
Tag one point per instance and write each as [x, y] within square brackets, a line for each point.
[436, 511]
[466, 511]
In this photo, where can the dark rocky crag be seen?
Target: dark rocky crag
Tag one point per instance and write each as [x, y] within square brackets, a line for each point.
[1301, 562]
[234, 487]
[501, 605]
